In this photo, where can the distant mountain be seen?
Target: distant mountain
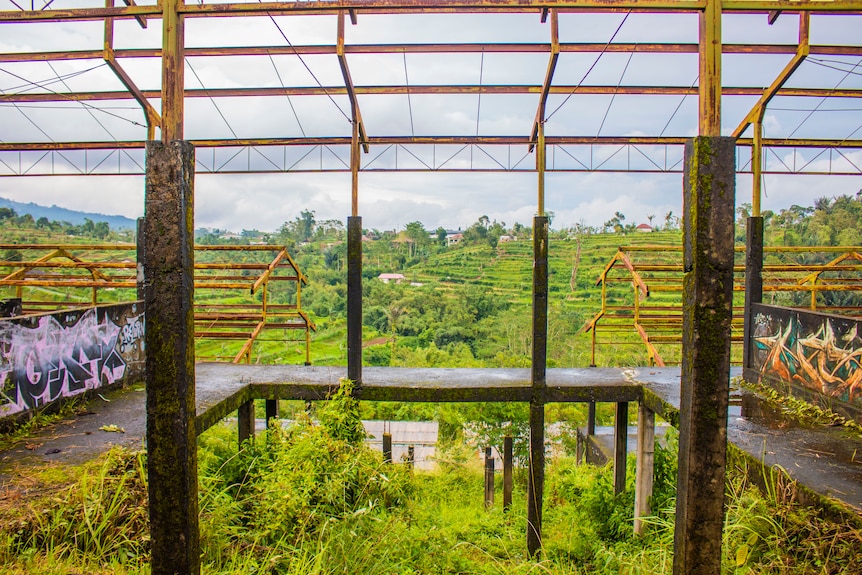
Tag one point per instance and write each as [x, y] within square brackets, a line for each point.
[59, 214]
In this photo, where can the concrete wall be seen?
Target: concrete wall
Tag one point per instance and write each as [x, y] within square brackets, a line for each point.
[815, 356]
[46, 358]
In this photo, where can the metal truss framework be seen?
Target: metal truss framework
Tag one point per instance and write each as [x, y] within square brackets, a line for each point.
[341, 153]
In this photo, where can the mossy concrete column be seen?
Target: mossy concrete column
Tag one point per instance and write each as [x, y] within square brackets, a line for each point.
[168, 304]
[621, 438]
[708, 207]
[645, 468]
[245, 422]
[354, 300]
[536, 479]
[753, 281]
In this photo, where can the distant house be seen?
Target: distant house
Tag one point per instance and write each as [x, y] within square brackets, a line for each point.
[452, 239]
[386, 278]
[644, 228]
[507, 239]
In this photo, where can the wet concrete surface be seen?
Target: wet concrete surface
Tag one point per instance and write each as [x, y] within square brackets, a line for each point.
[80, 439]
[827, 460]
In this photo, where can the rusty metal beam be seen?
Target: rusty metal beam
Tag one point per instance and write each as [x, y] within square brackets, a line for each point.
[549, 77]
[153, 118]
[423, 140]
[709, 64]
[425, 6]
[321, 49]
[419, 89]
[756, 113]
[173, 71]
[355, 114]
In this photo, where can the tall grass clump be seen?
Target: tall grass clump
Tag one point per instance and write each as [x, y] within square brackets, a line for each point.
[285, 497]
[101, 518]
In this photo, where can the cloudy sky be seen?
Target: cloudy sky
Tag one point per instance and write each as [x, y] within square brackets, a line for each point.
[390, 200]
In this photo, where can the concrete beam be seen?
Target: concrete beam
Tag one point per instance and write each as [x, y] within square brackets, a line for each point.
[708, 209]
[168, 302]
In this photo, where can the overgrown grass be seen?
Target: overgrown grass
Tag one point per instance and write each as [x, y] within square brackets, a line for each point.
[314, 499]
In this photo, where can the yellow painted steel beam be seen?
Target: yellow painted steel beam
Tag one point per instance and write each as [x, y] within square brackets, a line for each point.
[245, 351]
[549, 77]
[464, 48]
[709, 66]
[356, 115]
[173, 70]
[636, 279]
[541, 164]
[651, 350]
[463, 89]
[757, 164]
[269, 270]
[756, 113]
[152, 117]
[430, 6]
[420, 140]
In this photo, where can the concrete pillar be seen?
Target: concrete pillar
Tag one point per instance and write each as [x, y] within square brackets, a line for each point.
[507, 472]
[170, 363]
[489, 479]
[708, 209]
[141, 245]
[591, 418]
[245, 421]
[645, 465]
[536, 476]
[753, 281]
[271, 412]
[387, 448]
[354, 300]
[621, 436]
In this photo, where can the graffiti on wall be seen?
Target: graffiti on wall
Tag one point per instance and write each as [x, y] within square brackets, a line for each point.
[819, 352]
[65, 354]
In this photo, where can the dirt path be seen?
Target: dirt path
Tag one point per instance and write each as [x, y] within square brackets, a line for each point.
[80, 438]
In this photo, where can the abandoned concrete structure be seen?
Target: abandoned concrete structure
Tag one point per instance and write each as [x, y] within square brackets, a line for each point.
[183, 399]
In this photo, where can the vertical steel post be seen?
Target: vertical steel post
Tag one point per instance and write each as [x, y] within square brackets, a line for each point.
[645, 465]
[591, 418]
[173, 70]
[708, 209]
[536, 480]
[170, 362]
[709, 64]
[621, 436]
[507, 472]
